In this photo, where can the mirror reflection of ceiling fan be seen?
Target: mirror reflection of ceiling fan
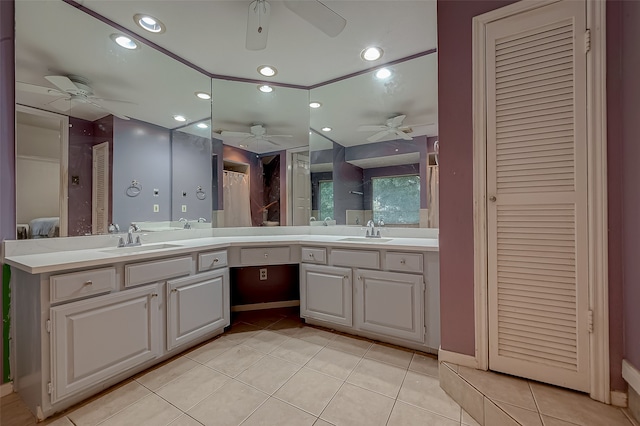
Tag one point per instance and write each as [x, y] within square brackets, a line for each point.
[258, 133]
[393, 127]
[312, 11]
[70, 90]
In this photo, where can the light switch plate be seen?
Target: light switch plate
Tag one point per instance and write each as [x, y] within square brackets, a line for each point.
[156, 208]
[184, 208]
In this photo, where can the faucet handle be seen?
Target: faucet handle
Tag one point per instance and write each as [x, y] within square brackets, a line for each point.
[121, 242]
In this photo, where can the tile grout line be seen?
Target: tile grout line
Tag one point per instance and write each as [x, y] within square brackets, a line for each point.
[395, 400]
[535, 401]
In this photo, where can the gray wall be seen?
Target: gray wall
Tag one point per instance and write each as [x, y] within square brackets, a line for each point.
[141, 152]
[190, 168]
[346, 178]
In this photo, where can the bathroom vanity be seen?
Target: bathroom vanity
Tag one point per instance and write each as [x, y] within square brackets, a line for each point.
[83, 320]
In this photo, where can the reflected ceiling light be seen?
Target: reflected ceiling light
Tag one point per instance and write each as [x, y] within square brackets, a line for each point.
[179, 118]
[383, 73]
[267, 70]
[202, 125]
[149, 23]
[242, 146]
[124, 41]
[371, 53]
[265, 88]
[203, 95]
[326, 129]
[315, 104]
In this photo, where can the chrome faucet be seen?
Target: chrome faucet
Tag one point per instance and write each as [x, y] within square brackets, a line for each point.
[371, 231]
[186, 223]
[130, 243]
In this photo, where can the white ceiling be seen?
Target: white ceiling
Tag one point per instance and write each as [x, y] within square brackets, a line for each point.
[53, 37]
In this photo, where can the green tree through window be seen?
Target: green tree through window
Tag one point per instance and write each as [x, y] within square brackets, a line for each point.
[396, 200]
[325, 207]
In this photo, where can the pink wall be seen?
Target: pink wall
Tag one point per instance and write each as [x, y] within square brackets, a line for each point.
[456, 191]
[456, 171]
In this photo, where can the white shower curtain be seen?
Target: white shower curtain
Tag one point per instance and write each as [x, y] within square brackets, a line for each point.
[237, 210]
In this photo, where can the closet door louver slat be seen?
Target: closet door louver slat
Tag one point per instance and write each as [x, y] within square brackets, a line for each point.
[536, 169]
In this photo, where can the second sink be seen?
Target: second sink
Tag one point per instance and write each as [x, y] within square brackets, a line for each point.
[135, 249]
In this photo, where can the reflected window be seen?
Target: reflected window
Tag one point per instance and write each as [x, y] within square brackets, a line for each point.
[396, 200]
[325, 202]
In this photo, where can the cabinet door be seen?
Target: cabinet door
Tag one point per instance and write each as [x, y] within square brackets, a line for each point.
[390, 303]
[97, 338]
[326, 294]
[197, 305]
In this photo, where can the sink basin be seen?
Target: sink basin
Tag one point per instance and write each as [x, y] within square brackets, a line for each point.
[145, 247]
[366, 240]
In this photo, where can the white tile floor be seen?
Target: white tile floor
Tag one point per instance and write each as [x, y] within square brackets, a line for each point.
[271, 369]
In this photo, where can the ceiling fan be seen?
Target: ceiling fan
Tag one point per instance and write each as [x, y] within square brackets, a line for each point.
[258, 133]
[70, 89]
[312, 11]
[393, 127]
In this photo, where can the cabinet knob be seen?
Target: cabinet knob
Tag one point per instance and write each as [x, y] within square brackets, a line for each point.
[345, 277]
[175, 290]
[310, 254]
[266, 255]
[154, 294]
[88, 282]
[359, 278]
[216, 260]
[492, 198]
[402, 261]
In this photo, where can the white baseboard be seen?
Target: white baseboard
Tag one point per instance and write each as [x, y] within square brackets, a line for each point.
[619, 399]
[631, 375]
[6, 389]
[456, 358]
[269, 305]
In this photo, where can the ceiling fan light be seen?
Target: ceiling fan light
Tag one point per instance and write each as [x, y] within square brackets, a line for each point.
[315, 104]
[203, 95]
[265, 88]
[383, 73]
[180, 118]
[267, 70]
[124, 41]
[149, 23]
[202, 125]
[326, 129]
[372, 53]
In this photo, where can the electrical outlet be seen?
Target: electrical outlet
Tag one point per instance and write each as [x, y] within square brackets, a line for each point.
[184, 208]
[156, 208]
[263, 274]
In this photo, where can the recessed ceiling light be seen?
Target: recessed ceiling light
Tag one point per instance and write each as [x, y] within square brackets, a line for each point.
[315, 104]
[124, 41]
[202, 125]
[371, 53]
[242, 146]
[267, 70]
[310, 132]
[265, 88]
[179, 118]
[149, 23]
[383, 73]
[203, 95]
[326, 129]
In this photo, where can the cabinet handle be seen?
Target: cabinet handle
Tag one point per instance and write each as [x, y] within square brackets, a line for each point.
[175, 290]
[88, 282]
[402, 261]
[311, 255]
[154, 294]
[216, 260]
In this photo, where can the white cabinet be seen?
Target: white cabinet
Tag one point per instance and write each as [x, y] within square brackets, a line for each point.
[326, 293]
[97, 338]
[197, 305]
[390, 303]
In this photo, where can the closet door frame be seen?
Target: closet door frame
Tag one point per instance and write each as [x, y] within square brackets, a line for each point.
[597, 193]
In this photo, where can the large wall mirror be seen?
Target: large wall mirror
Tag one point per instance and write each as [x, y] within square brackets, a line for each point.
[122, 135]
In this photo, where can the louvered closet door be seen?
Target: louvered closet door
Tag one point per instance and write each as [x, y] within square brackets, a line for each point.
[537, 172]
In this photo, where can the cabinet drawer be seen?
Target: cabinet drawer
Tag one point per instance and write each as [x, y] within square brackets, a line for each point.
[314, 255]
[158, 270]
[265, 256]
[81, 284]
[404, 262]
[356, 258]
[213, 260]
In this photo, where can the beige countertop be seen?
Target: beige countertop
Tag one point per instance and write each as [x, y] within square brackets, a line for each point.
[65, 259]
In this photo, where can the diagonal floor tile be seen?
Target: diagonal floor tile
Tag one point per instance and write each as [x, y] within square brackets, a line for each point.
[397, 356]
[275, 412]
[409, 415]
[425, 392]
[352, 345]
[315, 335]
[158, 377]
[207, 352]
[296, 351]
[149, 411]
[229, 405]
[235, 360]
[108, 404]
[378, 377]
[500, 387]
[356, 406]
[268, 374]
[309, 390]
[424, 364]
[192, 387]
[334, 363]
[265, 341]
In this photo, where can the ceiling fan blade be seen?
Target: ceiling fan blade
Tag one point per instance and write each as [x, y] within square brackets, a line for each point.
[318, 15]
[61, 104]
[271, 142]
[277, 136]
[378, 136]
[109, 110]
[258, 24]
[373, 128]
[403, 135]
[61, 82]
[40, 90]
[236, 134]
[396, 121]
[117, 101]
